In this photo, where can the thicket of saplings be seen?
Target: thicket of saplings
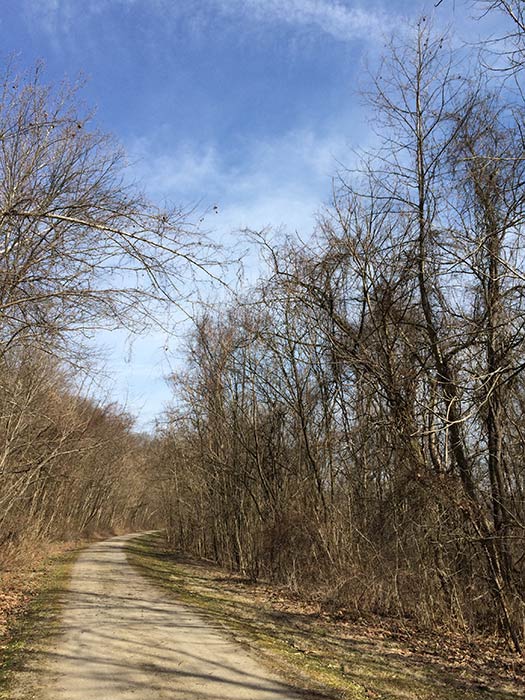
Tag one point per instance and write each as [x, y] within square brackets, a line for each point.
[79, 250]
[354, 427]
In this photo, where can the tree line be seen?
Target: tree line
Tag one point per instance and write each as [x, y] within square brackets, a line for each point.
[352, 426]
[81, 248]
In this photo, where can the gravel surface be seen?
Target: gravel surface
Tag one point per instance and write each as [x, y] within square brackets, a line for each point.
[124, 638]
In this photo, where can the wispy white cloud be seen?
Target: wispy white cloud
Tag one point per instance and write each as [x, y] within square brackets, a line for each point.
[280, 181]
[337, 18]
[184, 171]
[341, 20]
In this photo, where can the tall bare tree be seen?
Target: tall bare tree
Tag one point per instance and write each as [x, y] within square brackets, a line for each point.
[79, 242]
[356, 427]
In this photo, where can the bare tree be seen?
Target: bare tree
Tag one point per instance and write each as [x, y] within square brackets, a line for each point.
[79, 243]
[80, 247]
[354, 424]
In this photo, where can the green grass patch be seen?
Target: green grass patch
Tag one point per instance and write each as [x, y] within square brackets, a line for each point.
[326, 658]
[37, 621]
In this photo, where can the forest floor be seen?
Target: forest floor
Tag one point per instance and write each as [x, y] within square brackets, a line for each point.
[31, 585]
[329, 652]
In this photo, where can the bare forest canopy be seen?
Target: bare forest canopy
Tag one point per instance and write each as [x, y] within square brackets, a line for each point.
[352, 426]
[80, 249]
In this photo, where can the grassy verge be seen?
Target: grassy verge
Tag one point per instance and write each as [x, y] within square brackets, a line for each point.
[36, 620]
[330, 658]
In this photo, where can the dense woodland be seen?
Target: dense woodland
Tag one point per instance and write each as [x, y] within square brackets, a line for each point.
[80, 249]
[352, 425]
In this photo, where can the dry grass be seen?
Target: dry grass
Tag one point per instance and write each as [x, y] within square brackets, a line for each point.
[326, 653]
[31, 587]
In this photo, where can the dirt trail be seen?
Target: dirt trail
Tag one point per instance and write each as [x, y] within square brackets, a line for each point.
[124, 638]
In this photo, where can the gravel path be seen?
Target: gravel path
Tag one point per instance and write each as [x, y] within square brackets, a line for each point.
[124, 638]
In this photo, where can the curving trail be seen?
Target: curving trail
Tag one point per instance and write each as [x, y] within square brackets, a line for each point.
[125, 639]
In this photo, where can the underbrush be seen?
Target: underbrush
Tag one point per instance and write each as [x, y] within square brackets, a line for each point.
[331, 652]
[32, 582]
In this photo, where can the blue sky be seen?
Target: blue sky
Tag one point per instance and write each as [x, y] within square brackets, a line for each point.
[245, 104]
